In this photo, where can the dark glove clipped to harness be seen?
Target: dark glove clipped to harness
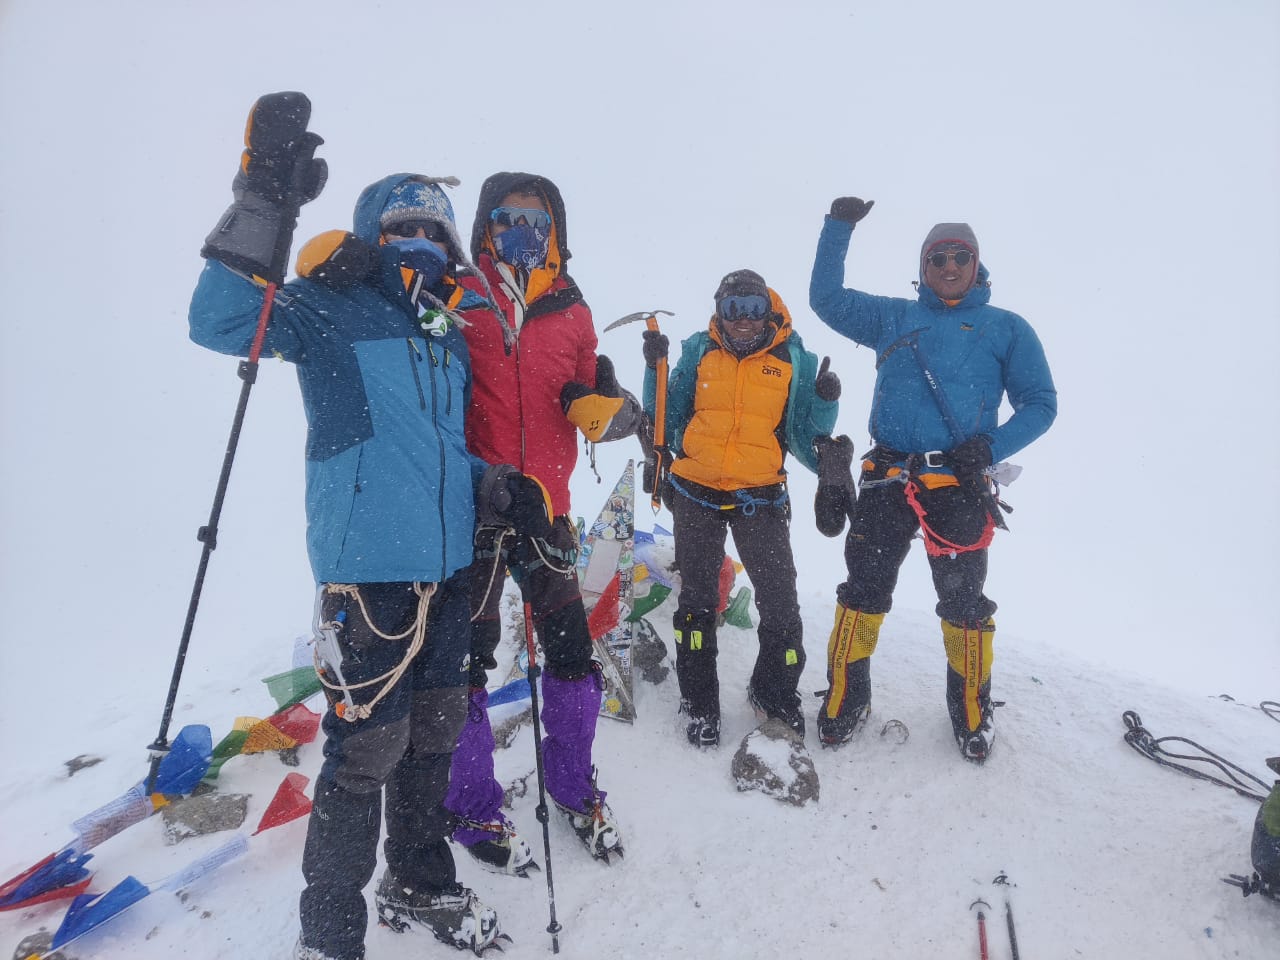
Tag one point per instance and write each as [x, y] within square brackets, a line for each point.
[970, 458]
[827, 385]
[278, 173]
[655, 348]
[509, 498]
[604, 413]
[836, 493]
[850, 209]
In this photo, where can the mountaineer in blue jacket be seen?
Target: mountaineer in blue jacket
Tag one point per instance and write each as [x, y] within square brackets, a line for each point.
[391, 496]
[944, 363]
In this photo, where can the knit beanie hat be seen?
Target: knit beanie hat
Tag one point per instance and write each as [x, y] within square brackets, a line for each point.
[420, 198]
[948, 233]
[742, 283]
[423, 198]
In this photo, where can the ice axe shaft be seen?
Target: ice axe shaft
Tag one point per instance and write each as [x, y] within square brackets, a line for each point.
[656, 465]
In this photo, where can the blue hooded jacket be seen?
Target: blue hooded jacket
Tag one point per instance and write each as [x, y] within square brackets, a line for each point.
[390, 486]
[978, 353]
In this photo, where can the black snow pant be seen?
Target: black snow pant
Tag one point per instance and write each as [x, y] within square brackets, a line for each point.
[879, 538]
[405, 745]
[762, 536]
[559, 616]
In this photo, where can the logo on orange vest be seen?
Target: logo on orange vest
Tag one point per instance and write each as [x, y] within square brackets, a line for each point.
[772, 371]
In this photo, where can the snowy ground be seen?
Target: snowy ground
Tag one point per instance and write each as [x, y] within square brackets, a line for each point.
[1112, 856]
[1118, 163]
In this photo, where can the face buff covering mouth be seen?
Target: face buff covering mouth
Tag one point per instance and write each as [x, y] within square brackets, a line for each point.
[522, 246]
[422, 256]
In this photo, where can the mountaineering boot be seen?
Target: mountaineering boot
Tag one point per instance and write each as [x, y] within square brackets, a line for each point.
[969, 654]
[776, 674]
[701, 731]
[502, 850]
[475, 797]
[593, 822]
[569, 714]
[696, 651]
[846, 703]
[788, 710]
[454, 915]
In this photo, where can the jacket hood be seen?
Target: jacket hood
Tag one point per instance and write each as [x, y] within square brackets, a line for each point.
[498, 186]
[780, 334]
[373, 200]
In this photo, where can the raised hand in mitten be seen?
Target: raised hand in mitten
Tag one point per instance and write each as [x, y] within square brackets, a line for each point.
[278, 173]
[827, 385]
[850, 209]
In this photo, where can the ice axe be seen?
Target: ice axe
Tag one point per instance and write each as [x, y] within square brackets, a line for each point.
[657, 462]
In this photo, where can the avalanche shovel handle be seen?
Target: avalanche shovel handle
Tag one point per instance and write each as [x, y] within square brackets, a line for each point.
[660, 462]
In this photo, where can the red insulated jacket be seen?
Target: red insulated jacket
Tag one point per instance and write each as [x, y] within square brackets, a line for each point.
[516, 415]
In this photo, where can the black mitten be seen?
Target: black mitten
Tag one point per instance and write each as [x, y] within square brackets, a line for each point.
[509, 498]
[827, 385]
[970, 458]
[836, 494]
[278, 173]
[850, 209]
[655, 348]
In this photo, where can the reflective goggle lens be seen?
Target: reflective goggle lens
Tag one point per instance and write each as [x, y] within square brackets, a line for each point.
[752, 307]
[514, 216]
[961, 257]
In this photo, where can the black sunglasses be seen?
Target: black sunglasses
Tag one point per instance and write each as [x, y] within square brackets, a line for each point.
[432, 229]
[961, 257]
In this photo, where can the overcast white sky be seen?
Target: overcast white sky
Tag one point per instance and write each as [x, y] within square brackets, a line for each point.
[1117, 160]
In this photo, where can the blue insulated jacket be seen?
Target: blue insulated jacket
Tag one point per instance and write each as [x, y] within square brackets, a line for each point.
[978, 354]
[389, 482]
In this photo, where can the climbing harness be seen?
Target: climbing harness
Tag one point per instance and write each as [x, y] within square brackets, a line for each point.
[744, 500]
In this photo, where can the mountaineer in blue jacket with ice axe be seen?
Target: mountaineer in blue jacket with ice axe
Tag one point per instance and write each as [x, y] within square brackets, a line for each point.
[392, 498]
[944, 363]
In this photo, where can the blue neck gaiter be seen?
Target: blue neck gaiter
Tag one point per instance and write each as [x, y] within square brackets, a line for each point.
[522, 247]
[423, 256]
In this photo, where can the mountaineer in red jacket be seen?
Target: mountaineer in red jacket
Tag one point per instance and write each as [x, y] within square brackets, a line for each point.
[536, 382]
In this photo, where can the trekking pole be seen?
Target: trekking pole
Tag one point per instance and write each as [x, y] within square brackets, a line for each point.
[982, 928]
[208, 534]
[1003, 880]
[553, 927]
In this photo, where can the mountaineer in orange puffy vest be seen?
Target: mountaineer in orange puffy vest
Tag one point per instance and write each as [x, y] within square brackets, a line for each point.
[743, 395]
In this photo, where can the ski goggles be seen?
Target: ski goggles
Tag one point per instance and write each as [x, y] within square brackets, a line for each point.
[962, 257]
[512, 217]
[432, 230]
[751, 307]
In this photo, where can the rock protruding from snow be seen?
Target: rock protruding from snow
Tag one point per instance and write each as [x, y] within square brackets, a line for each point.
[773, 760]
[202, 814]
